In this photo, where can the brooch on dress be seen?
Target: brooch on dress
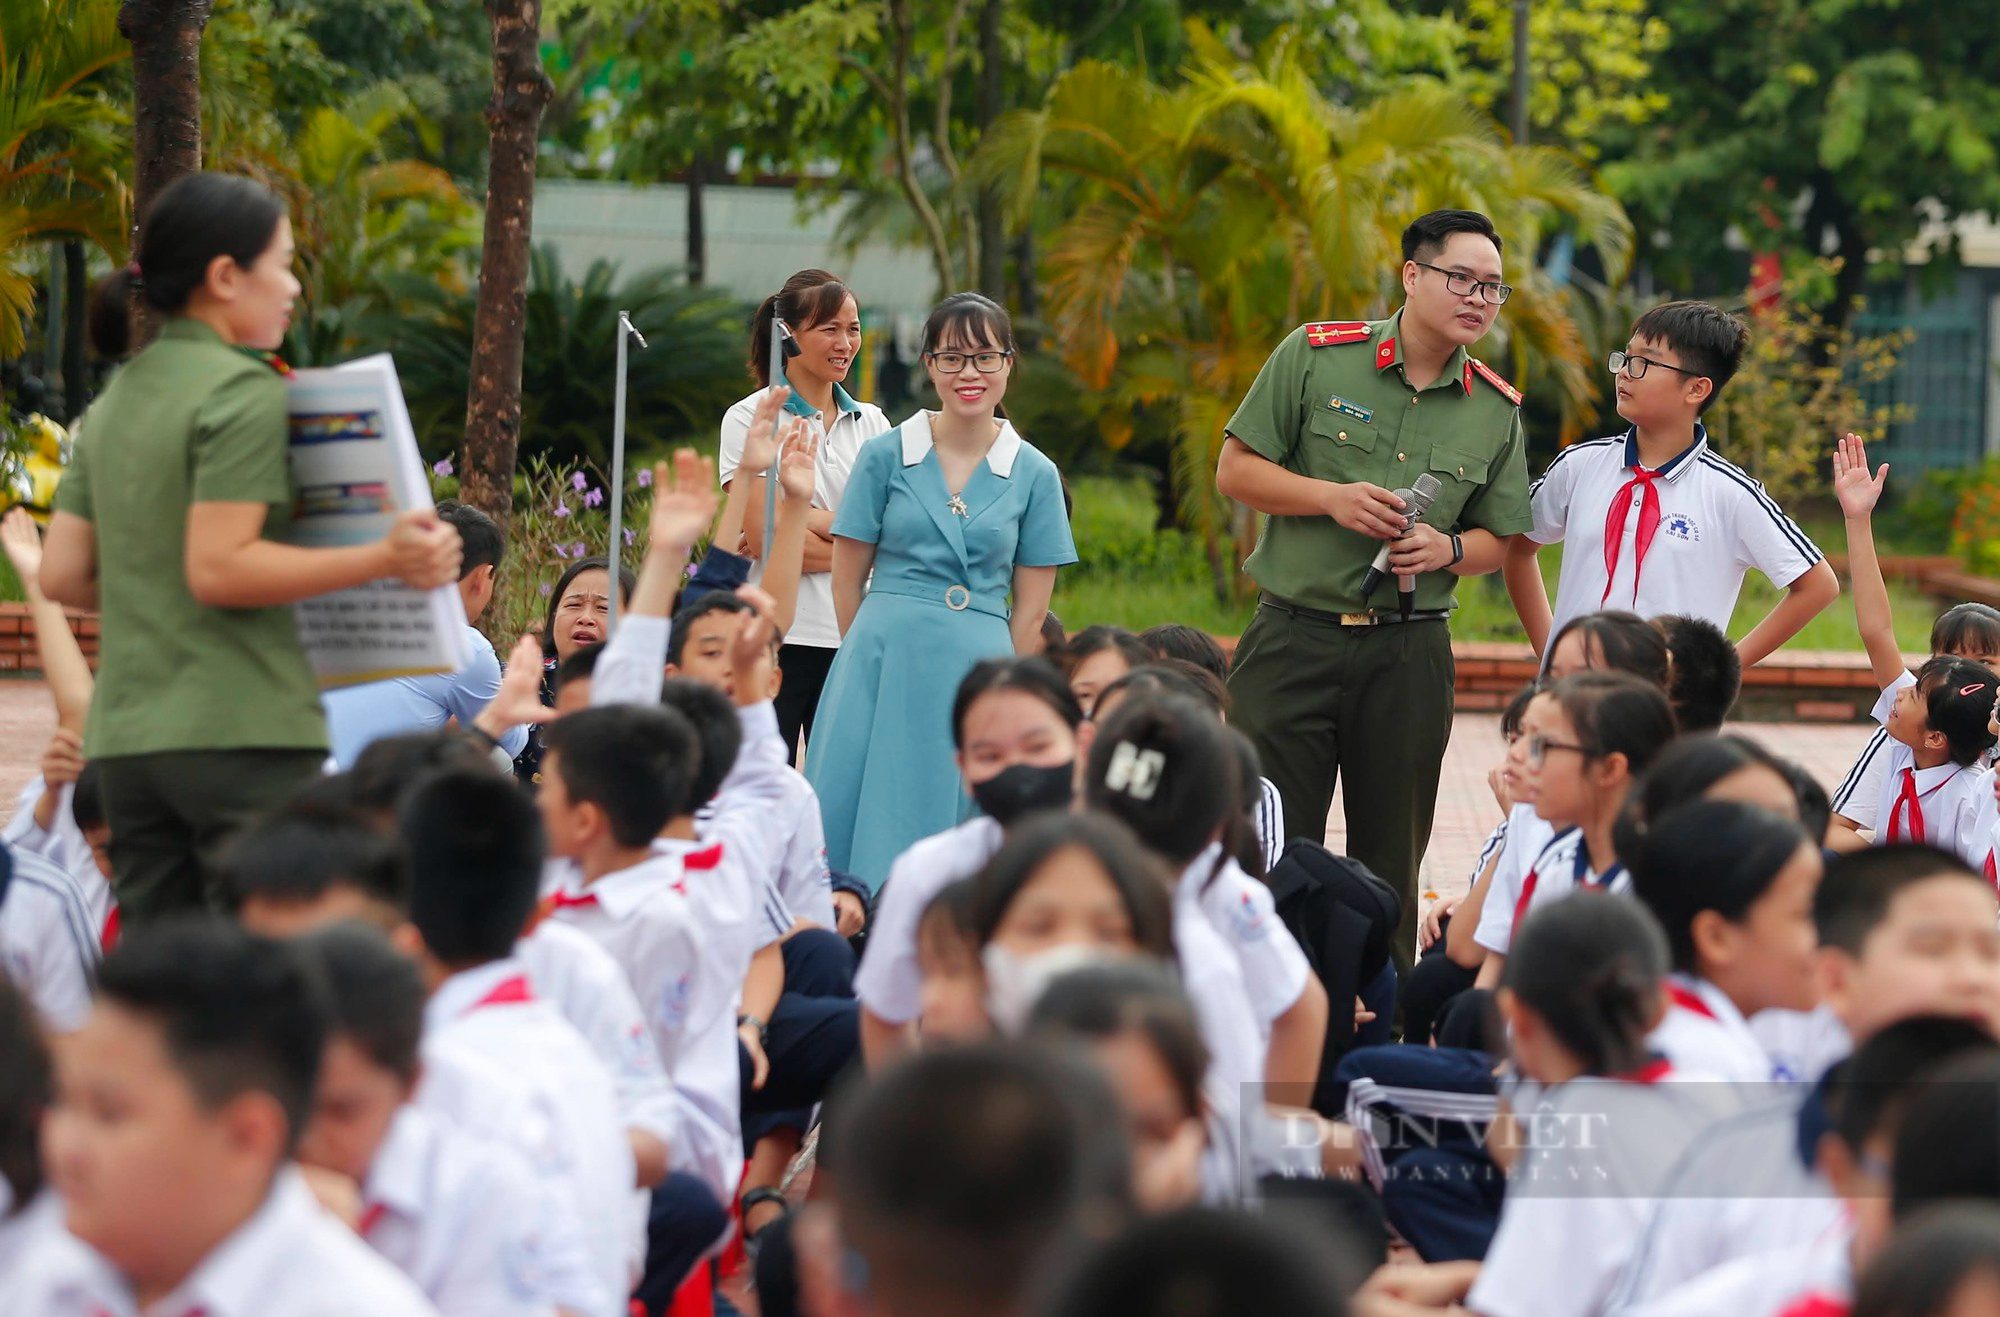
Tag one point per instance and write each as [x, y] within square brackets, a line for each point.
[958, 508]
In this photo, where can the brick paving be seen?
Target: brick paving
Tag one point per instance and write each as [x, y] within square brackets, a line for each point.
[1466, 811]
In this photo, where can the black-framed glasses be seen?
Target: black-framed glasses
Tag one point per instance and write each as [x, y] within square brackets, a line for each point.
[1461, 284]
[1637, 366]
[986, 363]
[1539, 747]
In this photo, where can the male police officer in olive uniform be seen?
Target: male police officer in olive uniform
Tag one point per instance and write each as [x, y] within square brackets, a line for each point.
[1326, 683]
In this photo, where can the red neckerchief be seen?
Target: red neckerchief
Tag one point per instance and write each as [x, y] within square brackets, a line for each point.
[1688, 1001]
[1614, 528]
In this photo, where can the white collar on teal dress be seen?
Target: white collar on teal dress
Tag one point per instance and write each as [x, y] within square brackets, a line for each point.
[999, 458]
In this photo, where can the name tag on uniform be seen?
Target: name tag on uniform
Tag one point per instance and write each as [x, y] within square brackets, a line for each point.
[1346, 408]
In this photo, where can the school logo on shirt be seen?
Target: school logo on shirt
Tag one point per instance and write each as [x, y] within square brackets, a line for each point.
[633, 1048]
[1250, 926]
[1681, 526]
[674, 1003]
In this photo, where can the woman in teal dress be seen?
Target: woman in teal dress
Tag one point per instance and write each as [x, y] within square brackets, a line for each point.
[952, 511]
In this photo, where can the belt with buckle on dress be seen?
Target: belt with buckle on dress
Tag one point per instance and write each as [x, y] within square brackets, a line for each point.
[1268, 600]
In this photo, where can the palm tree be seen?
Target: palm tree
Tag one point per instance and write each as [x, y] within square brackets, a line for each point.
[1204, 221]
[60, 147]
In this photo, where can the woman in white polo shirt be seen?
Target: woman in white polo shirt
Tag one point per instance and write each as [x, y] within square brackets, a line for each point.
[825, 320]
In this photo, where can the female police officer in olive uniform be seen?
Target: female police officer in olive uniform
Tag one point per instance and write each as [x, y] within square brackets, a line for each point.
[1328, 684]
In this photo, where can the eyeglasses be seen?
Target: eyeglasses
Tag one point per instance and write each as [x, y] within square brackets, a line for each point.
[986, 363]
[1461, 284]
[1539, 747]
[1636, 367]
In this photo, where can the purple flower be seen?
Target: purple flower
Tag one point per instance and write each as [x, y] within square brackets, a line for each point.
[562, 550]
[441, 468]
[562, 509]
[593, 498]
[688, 570]
[645, 476]
[546, 589]
[577, 481]
[629, 537]
[578, 549]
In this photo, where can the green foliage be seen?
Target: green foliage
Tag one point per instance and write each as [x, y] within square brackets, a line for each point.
[1590, 66]
[1799, 389]
[1975, 525]
[680, 383]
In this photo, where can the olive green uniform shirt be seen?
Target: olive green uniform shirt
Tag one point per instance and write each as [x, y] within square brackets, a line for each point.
[188, 420]
[1334, 404]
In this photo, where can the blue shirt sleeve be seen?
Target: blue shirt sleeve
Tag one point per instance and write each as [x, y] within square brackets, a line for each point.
[1045, 535]
[475, 685]
[867, 495]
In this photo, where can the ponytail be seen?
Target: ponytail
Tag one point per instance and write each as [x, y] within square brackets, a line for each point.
[1591, 968]
[1164, 767]
[1617, 713]
[1706, 855]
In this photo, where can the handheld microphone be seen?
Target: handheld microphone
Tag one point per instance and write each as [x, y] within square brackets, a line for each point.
[1416, 502]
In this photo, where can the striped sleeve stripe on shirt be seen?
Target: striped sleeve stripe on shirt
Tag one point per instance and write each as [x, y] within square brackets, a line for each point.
[1573, 448]
[1267, 825]
[1777, 514]
[33, 871]
[1494, 841]
[1855, 775]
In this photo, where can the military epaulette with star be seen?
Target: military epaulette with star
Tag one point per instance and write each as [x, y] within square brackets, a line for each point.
[1331, 332]
[1486, 372]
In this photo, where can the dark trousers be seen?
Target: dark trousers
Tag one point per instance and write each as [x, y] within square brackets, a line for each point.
[169, 812]
[684, 1222]
[1433, 983]
[1367, 707]
[1445, 1201]
[813, 1036]
[805, 668]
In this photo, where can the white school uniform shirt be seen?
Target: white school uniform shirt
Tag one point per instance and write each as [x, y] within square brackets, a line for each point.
[1706, 1037]
[64, 846]
[1242, 910]
[1802, 1045]
[1742, 1191]
[1715, 523]
[24, 1236]
[290, 1259]
[799, 835]
[582, 980]
[853, 424]
[1767, 1285]
[1528, 835]
[647, 919]
[887, 981]
[1563, 869]
[1578, 1198]
[1860, 791]
[462, 1217]
[1237, 1036]
[48, 942]
[1948, 796]
[501, 1063]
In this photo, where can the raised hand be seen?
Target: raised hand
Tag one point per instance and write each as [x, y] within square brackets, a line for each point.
[1857, 491]
[519, 699]
[21, 538]
[759, 441]
[684, 501]
[798, 476]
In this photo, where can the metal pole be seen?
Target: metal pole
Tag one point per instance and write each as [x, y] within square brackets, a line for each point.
[782, 347]
[615, 551]
[1520, 106]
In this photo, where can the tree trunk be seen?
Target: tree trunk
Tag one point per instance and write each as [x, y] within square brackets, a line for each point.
[76, 302]
[697, 218]
[992, 248]
[514, 118]
[166, 105]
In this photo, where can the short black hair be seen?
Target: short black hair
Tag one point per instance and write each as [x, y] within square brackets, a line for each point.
[1687, 769]
[1591, 967]
[237, 1013]
[1855, 895]
[1031, 676]
[1097, 639]
[485, 543]
[1704, 671]
[1206, 1262]
[715, 601]
[475, 848]
[1133, 871]
[1924, 1268]
[1967, 627]
[963, 1171]
[1160, 677]
[86, 802]
[580, 665]
[634, 763]
[27, 1085]
[718, 732]
[1517, 709]
[1709, 341]
[1958, 702]
[1947, 1142]
[375, 995]
[1706, 855]
[1190, 644]
[298, 854]
[1865, 1092]
[1131, 996]
[386, 769]
[1624, 641]
[1427, 234]
[1617, 713]
[1240, 834]
[1163, 767]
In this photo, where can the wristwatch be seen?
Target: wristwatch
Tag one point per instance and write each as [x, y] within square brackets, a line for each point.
[1457, 551]
[763, 1030]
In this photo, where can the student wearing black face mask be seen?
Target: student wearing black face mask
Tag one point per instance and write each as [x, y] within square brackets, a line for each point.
[1014, 725]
